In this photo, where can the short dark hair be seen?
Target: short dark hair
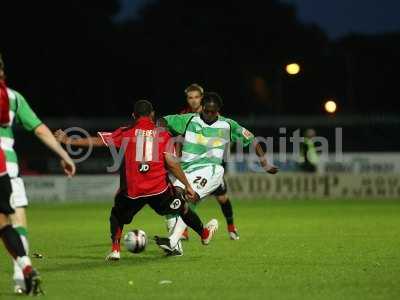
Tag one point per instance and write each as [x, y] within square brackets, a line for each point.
[143, 108]
[213, 97]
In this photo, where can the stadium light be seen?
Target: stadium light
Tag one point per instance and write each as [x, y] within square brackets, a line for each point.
[293, 69]
[330, 106]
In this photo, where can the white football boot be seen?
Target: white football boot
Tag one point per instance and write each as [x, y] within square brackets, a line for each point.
[233, 232]
[212, 228]
[165, 244]
[113, 256]
[18, 290]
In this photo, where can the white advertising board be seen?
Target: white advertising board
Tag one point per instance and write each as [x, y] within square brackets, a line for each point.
[245, 186]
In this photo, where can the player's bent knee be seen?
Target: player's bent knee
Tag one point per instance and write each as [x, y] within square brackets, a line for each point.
[19, 217]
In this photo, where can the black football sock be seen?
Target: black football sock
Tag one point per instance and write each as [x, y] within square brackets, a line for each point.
[115, 230]
[12, 241]
[193, 221]
[227, 211]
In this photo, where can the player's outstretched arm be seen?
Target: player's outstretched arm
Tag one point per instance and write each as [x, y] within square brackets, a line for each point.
[239, 133]
[92, 141]
[263, 160]
[174, 167]
[46, 136]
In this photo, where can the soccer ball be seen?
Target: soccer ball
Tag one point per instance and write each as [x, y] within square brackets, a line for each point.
[135, 241]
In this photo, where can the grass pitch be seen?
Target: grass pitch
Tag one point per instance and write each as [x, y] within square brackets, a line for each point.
[288, 250]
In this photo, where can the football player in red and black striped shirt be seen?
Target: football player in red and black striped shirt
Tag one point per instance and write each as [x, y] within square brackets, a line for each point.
[147, 158]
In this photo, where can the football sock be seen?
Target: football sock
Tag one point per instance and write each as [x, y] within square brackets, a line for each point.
[18, 274]
[177, 231]
[116, 232]
[171, 220]
[193, 221]
[14, 245]
[227, 211]
[116, 242]
[25, 264]
[23, 233]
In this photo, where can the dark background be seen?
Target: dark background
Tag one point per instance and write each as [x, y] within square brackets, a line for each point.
[75, 58]
[80, 63]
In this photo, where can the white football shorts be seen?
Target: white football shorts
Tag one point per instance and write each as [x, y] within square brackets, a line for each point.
[204, 181]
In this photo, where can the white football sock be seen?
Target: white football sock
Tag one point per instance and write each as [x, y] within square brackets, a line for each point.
[177, 230]
[23, 262]
[25, 243]
[171, 224]
[18, 274]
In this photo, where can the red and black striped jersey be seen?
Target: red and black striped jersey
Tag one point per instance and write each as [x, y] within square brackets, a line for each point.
[143, 172]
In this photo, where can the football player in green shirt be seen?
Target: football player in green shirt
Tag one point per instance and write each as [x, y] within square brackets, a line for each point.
[22, 114]
[206, 136]
[194, 96]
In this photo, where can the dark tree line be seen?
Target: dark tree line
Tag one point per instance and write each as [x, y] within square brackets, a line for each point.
[70, 58]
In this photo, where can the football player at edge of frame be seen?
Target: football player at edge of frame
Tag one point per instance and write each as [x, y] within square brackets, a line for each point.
[206, 136]
[147, 158]
[21, 113]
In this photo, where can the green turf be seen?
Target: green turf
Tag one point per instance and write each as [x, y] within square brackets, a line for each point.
[287, 250]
